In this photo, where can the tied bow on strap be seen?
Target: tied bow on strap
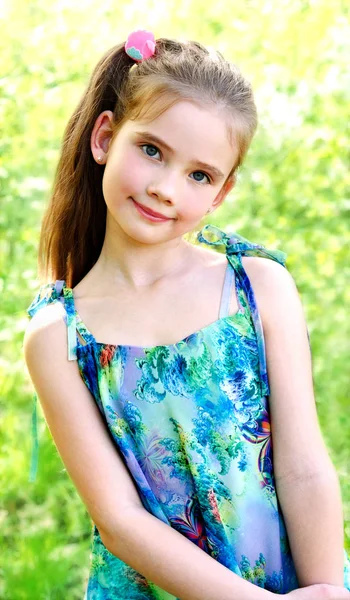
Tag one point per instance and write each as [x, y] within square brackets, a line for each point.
[47, 294]
[237, 244]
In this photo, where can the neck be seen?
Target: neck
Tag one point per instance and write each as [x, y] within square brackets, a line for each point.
[127, 262]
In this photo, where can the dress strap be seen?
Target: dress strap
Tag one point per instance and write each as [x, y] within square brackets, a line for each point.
[74, 323]
[227, 291]
[236, 246]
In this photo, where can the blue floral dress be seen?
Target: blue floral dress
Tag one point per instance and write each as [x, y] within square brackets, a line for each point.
[192, 422]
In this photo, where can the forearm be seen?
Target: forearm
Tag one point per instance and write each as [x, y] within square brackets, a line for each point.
[312, 510]
[174, 563]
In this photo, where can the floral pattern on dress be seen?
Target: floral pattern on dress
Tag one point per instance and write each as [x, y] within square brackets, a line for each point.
[191, 421]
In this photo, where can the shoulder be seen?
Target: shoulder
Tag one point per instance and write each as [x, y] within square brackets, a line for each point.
[274, 288]
[266, 271]
[45, 332]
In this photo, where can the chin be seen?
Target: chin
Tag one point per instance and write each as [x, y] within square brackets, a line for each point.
[146, 234]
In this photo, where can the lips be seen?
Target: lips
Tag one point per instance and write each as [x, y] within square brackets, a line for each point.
[151, 212]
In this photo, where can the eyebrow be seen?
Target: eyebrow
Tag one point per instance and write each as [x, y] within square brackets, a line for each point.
[146, 135]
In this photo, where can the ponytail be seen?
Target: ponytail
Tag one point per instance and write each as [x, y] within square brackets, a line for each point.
[74, 223]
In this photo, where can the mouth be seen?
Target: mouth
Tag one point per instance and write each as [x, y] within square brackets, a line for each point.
[150, 214]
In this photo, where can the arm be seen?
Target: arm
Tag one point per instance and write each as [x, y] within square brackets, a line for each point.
[306, 481]
[174, 563]
[103, 482]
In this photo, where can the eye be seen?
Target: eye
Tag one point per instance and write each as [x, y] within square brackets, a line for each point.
[201, 173]
[149, 146]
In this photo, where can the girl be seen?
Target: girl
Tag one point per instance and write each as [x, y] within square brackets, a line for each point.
[179, 358]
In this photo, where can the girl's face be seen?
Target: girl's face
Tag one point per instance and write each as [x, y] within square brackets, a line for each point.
[175, 166]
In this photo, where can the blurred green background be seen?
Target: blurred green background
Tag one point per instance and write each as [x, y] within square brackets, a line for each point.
[292, 194]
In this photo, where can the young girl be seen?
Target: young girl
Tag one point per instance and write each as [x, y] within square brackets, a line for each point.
[160, 365]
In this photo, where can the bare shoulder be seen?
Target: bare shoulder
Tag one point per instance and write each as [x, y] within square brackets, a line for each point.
[46, 326]
[274, 288]
[265, 271]
[45, 349]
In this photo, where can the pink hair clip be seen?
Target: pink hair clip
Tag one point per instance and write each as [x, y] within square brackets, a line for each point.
[140, 45]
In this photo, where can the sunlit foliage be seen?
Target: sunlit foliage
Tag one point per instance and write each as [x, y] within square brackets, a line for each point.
[293, 194]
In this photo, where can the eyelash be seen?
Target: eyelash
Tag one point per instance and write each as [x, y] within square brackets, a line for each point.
[153, 146]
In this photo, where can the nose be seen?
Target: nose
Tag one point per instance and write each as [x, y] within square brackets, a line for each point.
[163, 188]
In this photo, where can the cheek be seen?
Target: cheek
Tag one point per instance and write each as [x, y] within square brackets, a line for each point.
[195, 202]
[191, 212]
[124, 176]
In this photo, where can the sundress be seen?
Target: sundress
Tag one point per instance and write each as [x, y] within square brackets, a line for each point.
[191, 421]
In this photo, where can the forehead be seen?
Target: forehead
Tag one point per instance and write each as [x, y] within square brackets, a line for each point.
[195, 131]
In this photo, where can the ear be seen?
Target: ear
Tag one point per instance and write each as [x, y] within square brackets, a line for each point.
[101, 136]
[226, 188]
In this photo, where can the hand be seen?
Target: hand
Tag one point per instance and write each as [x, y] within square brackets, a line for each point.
[320, 591]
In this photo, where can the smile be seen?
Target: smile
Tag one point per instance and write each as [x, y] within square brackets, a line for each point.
[149, 214]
